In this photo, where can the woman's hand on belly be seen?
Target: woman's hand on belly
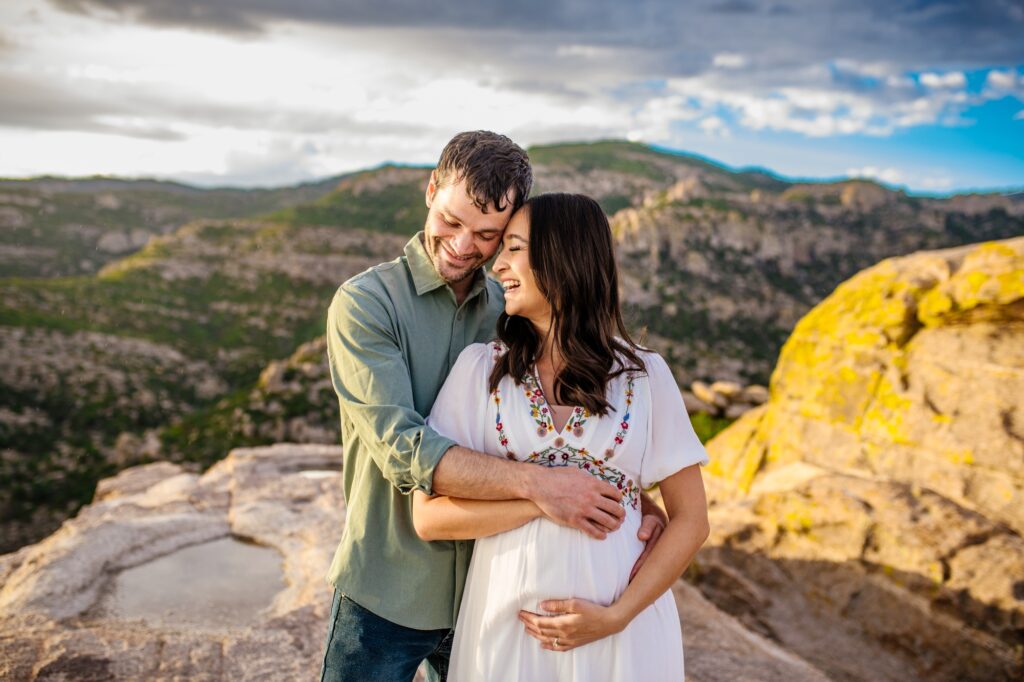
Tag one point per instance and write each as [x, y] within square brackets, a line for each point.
[577, 622]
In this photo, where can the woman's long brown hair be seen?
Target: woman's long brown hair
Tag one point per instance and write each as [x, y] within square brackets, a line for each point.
[573, 262]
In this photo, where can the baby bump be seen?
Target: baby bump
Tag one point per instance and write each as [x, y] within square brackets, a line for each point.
[543, 560]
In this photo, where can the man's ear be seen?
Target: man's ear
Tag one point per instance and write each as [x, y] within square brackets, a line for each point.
[431, 187]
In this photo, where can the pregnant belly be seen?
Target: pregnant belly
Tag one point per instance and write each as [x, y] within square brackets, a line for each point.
[542, 560]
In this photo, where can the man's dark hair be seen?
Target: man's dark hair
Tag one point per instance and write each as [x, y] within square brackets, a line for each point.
[491, 165]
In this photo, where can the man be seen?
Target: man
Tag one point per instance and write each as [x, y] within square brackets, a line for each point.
[393, 333]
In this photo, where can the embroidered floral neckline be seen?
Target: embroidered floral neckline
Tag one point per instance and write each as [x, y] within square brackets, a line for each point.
[540, 410]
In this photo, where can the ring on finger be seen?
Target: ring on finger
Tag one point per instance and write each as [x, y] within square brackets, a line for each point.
[554, 643]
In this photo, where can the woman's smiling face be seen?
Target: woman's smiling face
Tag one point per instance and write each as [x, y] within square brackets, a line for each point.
[512, 268]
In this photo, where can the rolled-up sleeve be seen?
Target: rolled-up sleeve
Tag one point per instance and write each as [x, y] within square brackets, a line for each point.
[374, 389]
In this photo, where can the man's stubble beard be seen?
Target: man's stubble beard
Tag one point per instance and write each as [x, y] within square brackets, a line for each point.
[433, 247]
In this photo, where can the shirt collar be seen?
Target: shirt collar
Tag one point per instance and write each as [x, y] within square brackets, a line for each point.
[424, 274]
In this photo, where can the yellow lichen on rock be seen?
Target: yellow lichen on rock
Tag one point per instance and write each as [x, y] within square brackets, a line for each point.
[991, 275]
[911, 371]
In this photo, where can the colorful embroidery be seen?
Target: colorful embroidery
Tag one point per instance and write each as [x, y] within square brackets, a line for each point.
[579, 417]
[620, 435]
[542, 415]
[559, 457]
[499, 426]
[538, 406]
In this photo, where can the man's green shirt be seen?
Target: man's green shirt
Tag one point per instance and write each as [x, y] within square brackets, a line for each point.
[393, 334]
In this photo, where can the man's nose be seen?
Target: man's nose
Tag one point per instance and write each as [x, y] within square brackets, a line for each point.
[462, 244]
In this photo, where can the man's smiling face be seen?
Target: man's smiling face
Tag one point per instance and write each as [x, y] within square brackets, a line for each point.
[459, 236]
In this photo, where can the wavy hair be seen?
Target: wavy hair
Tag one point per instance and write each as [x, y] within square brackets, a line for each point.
[573, 262]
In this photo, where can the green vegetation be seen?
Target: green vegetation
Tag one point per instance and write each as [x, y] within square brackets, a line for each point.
[707, 427]
[615, 156]
[57, 227]
[395, 207]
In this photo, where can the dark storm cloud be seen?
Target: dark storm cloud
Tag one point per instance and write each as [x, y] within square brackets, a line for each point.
[120, 109]
[36, 105]
[951, 32]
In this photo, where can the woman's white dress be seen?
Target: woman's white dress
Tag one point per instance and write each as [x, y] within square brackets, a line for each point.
[647, 438]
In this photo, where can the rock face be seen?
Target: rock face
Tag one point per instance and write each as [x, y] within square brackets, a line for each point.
[726, 276]
[286, 497]
[869, 516]
[913, 370]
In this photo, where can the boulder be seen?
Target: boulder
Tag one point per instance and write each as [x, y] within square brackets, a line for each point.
[695, 405]
[729, 389]
[911, 371]
[284, 497]
[754, 394]
[868, 516]
[711, 397]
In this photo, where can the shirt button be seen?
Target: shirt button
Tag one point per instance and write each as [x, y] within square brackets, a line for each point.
[460, 315]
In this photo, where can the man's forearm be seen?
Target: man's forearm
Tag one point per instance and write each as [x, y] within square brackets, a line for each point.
[474, 475]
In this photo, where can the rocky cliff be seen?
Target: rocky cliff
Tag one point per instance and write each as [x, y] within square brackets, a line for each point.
[869, 515]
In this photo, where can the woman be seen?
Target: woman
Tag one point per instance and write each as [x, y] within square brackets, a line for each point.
[565, 386]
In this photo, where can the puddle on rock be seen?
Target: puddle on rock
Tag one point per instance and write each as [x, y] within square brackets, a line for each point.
[217, 584]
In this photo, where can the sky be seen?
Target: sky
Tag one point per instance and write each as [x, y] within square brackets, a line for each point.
[927, 96]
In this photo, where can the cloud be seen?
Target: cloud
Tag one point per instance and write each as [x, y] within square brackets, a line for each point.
[1019, 116]
[729, 60]
[713, 126]
[890, 176]
[977, 32]
[952, 79]
[31, 104]
[1002, 79]
[287, 77]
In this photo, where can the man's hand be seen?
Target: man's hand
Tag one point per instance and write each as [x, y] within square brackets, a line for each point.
[577, 622]
[650, 531]
[577, 499]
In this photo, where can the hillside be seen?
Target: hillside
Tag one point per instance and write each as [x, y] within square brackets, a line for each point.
[169, 336]
[51, 227]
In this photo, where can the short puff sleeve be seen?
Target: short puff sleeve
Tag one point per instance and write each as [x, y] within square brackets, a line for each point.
[672, 444]
[460, 410]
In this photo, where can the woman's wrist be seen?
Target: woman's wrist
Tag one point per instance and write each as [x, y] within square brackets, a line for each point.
[620, 615]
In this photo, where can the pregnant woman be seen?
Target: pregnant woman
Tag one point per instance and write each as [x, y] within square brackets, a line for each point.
[565, 386]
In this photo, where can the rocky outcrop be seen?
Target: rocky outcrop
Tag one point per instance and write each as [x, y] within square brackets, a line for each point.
[868, 516]
[723, 398]
[726, 274]
[912, 371]
[286, 497]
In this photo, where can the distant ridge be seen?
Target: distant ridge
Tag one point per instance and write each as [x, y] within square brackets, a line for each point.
[100, 182]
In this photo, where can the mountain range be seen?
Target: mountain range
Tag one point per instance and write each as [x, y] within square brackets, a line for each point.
[138, 317]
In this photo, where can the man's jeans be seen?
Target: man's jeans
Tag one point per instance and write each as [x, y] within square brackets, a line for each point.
[363, 646]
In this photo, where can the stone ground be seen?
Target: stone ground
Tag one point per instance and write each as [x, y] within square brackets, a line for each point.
[286, 497]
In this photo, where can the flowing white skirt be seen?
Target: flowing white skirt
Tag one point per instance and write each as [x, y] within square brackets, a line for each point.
[542, 560]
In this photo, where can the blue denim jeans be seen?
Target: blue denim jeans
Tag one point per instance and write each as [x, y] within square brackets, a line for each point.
[363, 646]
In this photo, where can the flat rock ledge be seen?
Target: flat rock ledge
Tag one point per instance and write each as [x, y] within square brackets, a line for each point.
[285, 497]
